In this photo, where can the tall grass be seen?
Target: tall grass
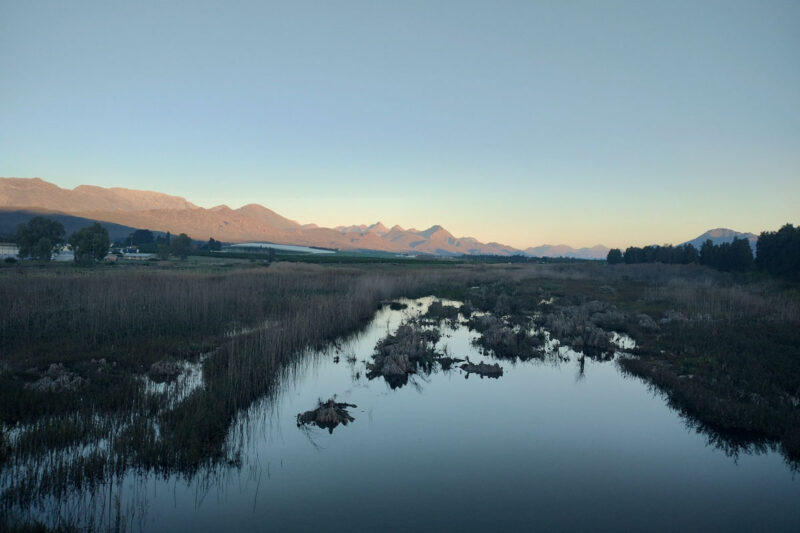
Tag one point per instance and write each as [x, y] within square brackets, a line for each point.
[248, 327]
[245, 327]
[724, 348]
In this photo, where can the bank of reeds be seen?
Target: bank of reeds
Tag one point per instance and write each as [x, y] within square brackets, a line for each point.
[245, 327]
[724, 349]
[736, 338]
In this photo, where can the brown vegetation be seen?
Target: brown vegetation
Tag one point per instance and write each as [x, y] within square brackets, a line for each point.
[723, 349]
[106, 329]
[397, 355]
[327, 415]
[507, 341]
[483, 369]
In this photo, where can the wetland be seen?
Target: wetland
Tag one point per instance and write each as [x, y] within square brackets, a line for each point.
[468, 397]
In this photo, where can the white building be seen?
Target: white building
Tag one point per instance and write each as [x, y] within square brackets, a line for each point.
[63, 255]
[8, 249]
[137, 256]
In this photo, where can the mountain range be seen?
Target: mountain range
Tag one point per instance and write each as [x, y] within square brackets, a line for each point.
[123, 210]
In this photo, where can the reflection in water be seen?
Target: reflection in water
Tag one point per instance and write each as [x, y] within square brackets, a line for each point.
[461, 454]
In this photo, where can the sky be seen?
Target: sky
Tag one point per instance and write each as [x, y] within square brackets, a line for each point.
[620, 123]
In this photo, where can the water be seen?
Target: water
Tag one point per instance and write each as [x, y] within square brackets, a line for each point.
[545, 446]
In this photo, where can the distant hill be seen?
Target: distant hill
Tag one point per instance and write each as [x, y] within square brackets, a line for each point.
[377, 228]
[562, 250]
[721, 235]
[35, 192]
[127, 209]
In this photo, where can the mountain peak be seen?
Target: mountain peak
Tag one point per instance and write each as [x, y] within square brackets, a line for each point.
[437, 230]
[267, 217]
[378, 228]
[722, 235]
[253, 207]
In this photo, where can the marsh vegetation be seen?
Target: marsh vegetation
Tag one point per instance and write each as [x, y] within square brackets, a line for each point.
[327, 415]
[105, 373]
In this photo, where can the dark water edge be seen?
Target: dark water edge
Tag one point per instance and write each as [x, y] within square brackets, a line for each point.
[558, 442]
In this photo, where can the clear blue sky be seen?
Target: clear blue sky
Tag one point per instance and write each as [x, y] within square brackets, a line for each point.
[521, 122]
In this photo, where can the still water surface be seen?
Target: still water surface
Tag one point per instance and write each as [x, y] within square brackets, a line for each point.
[542, 447]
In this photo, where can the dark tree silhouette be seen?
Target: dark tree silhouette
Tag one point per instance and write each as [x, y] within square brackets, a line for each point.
[614, 256]
[141, 236]
[778, 252]
[708, 254]
[181, 246]
[689, 254]
[163, 251]
[740, 256]
[39, 238]
[90, 243]
[634, 255]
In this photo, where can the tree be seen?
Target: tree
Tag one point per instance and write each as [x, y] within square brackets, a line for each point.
[90, 243]
[778, 252]
[39, 238]
[708, 254]
[163, 251]
[740, 255]
[634, 255]
[181, 246]
[141, 236]
[614, 256]
[214, 245]
[689, 254]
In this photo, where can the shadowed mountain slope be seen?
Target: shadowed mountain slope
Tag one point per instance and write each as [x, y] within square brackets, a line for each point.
[9, 220]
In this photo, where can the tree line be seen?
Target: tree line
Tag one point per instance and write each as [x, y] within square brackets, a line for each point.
[42, 237]
[777, 253]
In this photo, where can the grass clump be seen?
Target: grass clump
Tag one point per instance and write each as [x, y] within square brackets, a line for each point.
[723, 348]
[328, 415]
[437, 311]
[483, 369]
[403, 353]
[507, 342]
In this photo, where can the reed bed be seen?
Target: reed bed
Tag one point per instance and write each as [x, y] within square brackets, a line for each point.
[247, 327]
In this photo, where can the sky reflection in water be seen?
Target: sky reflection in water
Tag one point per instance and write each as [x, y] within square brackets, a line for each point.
[540, 447]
